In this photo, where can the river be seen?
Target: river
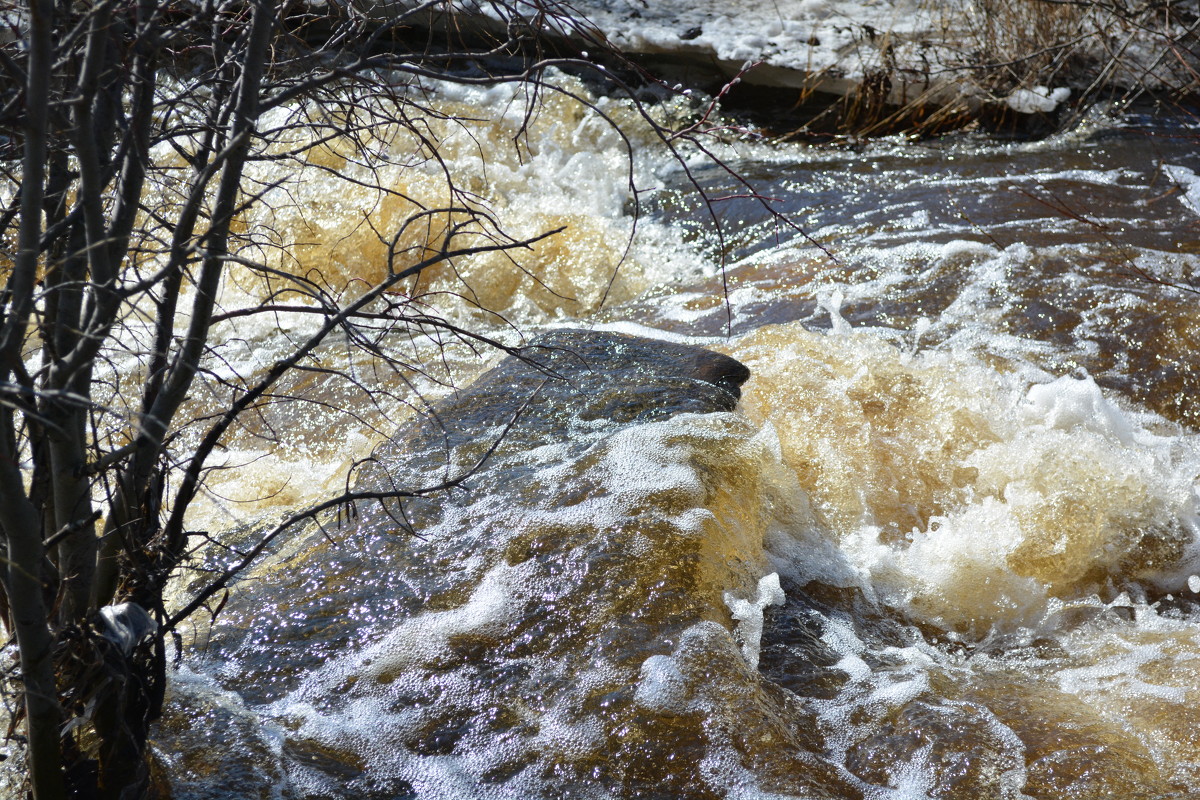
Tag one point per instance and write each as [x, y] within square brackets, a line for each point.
[946, 545]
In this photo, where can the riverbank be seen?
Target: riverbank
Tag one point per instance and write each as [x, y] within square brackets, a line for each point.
[873, 67]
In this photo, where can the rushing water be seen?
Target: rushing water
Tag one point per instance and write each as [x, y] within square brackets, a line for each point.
[945, 546]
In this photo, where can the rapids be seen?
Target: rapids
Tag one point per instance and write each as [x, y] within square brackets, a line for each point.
[945, 546]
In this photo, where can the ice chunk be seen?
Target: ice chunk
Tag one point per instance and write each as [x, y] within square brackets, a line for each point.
[126, 624]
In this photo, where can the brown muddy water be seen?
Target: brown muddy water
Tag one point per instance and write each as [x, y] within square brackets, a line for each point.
[945, 546]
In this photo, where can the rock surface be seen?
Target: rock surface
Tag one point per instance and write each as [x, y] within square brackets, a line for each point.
[562, 384]
[562, 619]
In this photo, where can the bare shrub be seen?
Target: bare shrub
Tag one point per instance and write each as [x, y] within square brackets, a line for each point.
[148, 155]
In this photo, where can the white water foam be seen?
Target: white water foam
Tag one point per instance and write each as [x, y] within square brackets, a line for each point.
[749, 615]
[1007, 494]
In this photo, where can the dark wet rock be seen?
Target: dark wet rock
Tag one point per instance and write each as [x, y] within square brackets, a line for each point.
[587, 375]
[563, 384]
[794, 655]
[558, 620]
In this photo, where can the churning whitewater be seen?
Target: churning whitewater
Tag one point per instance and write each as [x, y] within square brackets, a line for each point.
[945, 545]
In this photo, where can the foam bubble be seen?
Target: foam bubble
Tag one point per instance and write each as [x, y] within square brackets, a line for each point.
[749, 614]
[1070, 403]
[422, 638]
[661, 684]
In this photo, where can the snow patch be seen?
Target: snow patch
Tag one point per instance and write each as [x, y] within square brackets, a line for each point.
[1039, 99]
[1189, 182]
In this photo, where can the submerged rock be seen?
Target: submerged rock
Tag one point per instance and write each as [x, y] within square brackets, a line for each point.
[563, 386]
[547, 401]
[562, 619]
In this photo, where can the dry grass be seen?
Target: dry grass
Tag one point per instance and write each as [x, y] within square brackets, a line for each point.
[1091, 47]
[988, 49]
